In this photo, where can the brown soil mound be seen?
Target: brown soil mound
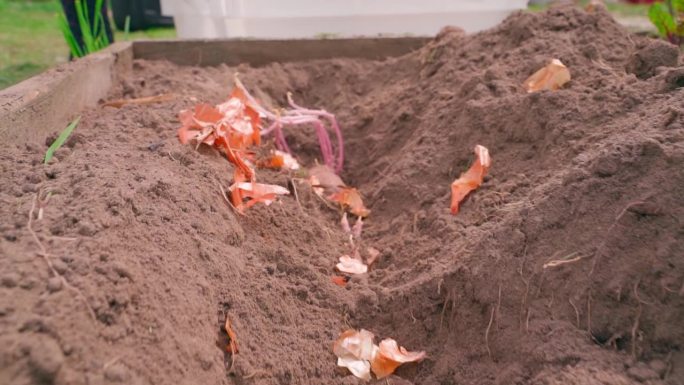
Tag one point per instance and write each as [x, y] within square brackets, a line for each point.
[590, 175]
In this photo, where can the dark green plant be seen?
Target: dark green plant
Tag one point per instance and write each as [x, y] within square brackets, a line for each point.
[668, 17]
[94, 33]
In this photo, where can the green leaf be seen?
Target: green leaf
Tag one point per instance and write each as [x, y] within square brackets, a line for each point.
[94, 34]
[99, 31]
[69, 36]
[127, 28]
[678, 5]
[84, 24]
[661, 18]
[63, 136]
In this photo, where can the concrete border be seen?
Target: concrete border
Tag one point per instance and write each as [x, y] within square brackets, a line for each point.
[261, 52]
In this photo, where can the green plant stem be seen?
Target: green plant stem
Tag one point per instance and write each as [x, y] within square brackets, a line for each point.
[94, 35]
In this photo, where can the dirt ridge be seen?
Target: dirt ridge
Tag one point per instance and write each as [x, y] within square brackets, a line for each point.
[586, 181]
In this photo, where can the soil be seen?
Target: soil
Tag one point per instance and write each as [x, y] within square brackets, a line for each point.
[590, 175]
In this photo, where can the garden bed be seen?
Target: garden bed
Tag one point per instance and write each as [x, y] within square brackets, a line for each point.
[566, 266]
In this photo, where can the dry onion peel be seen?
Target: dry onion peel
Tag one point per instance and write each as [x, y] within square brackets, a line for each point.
[390, 356]
[355, 344]
[359, 368]
[232, 127]
[118, 103]
[551, 77]
[324, 180]
[350, 198]
[232, 337]
[295, 115]
[255, 193]
[471, 179]
[373, 255]
[351, 265]
[354, 349]
[339, 280]
[279, 160]
[357, 352]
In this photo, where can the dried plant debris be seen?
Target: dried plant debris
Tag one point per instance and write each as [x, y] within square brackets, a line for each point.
[551, 77]
[471, 179]
[356, 351]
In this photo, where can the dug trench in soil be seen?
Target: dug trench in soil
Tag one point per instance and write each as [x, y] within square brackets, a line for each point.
[565, 267]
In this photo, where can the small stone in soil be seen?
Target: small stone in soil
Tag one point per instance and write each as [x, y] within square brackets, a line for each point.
[155, 146]
[642, 372]
[60, 266]
[28, 188]
[27, 283]
[606, 167]
[122, 270]
[33, 324]
[116, 373]
[659, 366]
[241, 367]
[45, 359]
[646, 208]
[10, 280]
[54, 284]
[656, 53]
[87, 229]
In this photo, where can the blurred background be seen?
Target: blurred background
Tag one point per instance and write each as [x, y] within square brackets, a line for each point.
[31, 40]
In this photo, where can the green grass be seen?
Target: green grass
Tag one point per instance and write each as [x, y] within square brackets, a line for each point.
[619, 9]
[31, 41]
[623, 9]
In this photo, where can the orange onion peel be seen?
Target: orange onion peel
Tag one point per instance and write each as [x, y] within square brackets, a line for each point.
[233, 127]
[390, 356]
[279, 160]
[254, 193]
[471, 179]
[232, 337]
[339, 280]
[350, 198]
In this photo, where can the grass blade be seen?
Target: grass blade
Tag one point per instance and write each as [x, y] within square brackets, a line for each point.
[84, 24]
[63, 136]
[127, 27]
[99, 30]
[94, 35]
[74, 47]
